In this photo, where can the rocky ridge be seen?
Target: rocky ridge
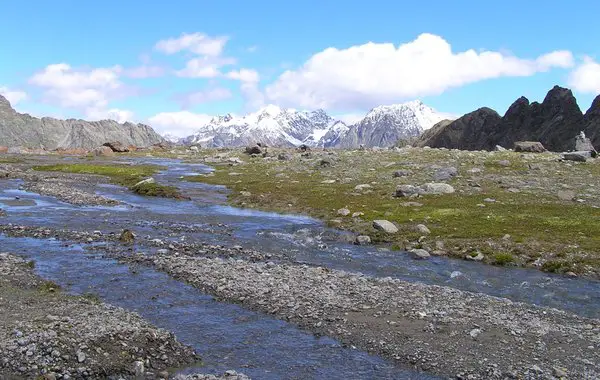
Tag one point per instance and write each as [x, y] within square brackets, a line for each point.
[23, 130]
[556, 123]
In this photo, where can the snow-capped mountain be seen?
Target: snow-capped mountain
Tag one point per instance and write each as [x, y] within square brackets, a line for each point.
[275, 126]
[384, 125]
[270, 125]
[171, 138]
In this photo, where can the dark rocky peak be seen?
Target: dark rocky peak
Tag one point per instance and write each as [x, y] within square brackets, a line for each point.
[560, 99]
[594, 110]
[519, 107]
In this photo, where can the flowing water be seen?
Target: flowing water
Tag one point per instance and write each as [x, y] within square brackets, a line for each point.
[229, 336]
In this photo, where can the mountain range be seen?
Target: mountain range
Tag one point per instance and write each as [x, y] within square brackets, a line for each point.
[382, 126]
[24, 130]
[556, 122]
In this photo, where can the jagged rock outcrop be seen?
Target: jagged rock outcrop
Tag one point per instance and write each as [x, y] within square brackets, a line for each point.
[18, 129]
[556, 123]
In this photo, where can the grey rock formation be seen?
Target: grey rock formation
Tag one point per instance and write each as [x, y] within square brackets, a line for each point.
[18, 129]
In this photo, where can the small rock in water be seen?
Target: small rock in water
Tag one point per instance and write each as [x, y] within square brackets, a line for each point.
[455, 274]
[362, 240]
[127, 237]
[420, 254]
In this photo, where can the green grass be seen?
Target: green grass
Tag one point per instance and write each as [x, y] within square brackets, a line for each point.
[503, 259]
[48, 286]
[124, 175]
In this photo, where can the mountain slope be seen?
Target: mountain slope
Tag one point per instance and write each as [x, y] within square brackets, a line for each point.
[24, 130]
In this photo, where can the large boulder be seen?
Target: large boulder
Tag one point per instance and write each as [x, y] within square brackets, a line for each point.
[254, 149]
[529, 146]
[117, 147]
[103, 151]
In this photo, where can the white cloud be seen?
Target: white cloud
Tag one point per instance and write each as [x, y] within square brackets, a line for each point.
[380, 73]
[180, 124]
[204, 67]
[206, 96]
[243, 75]
[81, 89]
[252, 49]
[586, 77]
[13, 96]
[560, 58]
[144, 71]
[117, 114]
[197, 43]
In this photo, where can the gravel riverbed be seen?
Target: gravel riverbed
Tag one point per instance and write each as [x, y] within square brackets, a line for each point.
[431, 328]
[45, 333]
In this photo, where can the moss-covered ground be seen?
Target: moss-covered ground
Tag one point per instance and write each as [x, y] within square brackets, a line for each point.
[507, 206]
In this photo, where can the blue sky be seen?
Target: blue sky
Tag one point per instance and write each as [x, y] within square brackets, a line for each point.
[174, 64]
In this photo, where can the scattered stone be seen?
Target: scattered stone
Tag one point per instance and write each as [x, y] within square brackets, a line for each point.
[362, 187]
[406, 191]
[362, 240]
[499, 148]
[475, 333]
[127, 237]
[255, 149]
[245, 193]
[343, 212]
[475, 256]
[147, 181]
[529, 146]
[437, 188]
[445, 174]
[357, 214]
[325, 163]
[284, 156]
[422, 229]
[489, 200]
[577, 156]
[505, 163]
[385, 226]
[402, 173]
[566, 195]
[419, 253]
